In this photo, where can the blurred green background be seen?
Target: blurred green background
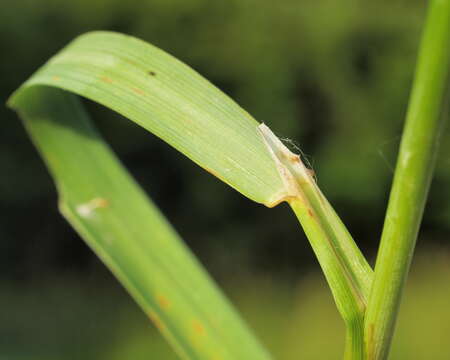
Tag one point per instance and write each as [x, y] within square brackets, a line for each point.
[332, 76]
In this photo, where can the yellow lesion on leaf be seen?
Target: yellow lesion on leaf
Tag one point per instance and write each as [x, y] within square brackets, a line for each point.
[138, 91]
[106, 79]
[163, 302]
[198, 328]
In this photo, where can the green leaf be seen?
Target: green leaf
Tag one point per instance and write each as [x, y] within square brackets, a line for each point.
[169, 99]
[111, 212]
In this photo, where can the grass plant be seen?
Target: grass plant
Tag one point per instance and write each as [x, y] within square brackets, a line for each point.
[166, 97]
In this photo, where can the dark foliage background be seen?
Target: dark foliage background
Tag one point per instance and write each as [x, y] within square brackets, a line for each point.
[332, 76]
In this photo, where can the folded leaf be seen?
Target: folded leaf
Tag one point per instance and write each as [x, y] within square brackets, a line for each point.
[106, 206]
[169, 99]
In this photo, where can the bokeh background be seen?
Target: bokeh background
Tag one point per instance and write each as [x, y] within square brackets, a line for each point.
[333, 76]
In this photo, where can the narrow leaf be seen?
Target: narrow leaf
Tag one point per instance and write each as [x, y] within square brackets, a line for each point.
[169, 99]
[175, 103]
[129, 234]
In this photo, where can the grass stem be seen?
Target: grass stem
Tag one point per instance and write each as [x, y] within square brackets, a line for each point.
[412, 179]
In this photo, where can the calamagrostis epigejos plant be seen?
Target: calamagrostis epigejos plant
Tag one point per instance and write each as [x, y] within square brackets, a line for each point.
[169, 99]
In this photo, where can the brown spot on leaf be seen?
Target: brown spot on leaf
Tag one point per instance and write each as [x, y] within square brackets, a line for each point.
[310, 213]
[198, 327]
[151, 73]
[163, 302]
[106, 79]
[131, 62]
[100, 203]
[138, 91]
[293, 157]
[212, 172]
[311, 173]
[56, 78]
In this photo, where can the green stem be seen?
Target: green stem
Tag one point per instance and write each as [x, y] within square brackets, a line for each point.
[349, 299]
[345, 268]
[354, 340]
[412, 178]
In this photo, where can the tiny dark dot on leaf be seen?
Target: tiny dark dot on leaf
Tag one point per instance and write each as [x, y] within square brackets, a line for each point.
[152, 73]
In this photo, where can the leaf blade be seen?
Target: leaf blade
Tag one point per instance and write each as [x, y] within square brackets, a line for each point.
[166, 97]
[129, 234]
